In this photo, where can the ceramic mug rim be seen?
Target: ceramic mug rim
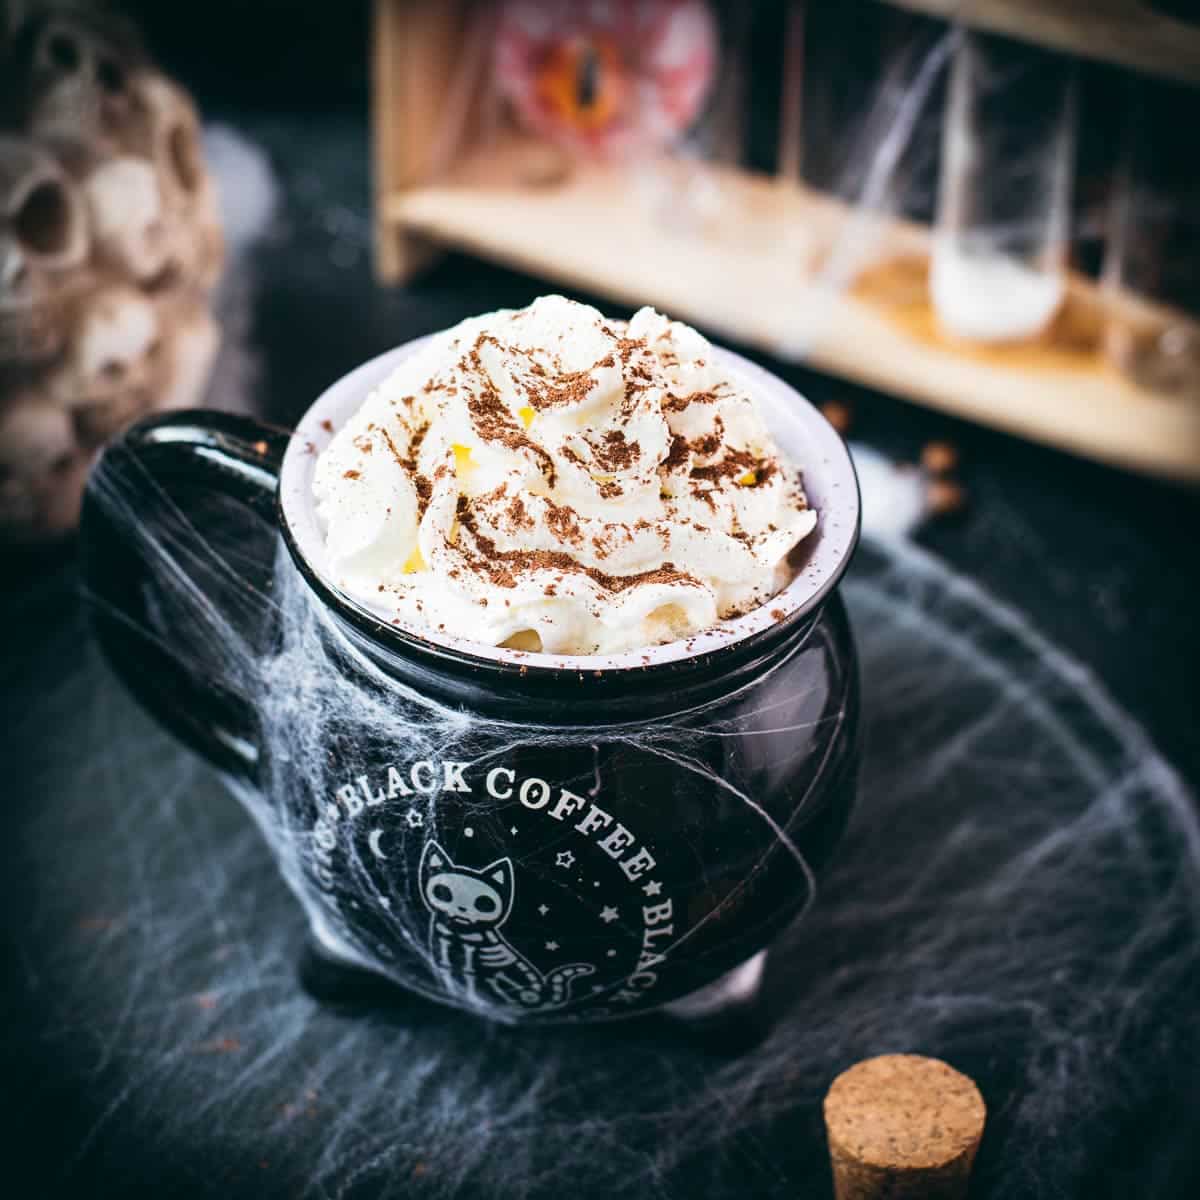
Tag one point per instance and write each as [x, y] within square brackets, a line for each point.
[829, 481]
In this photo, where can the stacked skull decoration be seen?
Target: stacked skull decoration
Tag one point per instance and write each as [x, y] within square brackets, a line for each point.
[110, 247]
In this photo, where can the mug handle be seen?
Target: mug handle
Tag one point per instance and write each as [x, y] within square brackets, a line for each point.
[150, 570]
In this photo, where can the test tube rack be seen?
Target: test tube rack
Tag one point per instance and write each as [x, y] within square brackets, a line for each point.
[583, 231]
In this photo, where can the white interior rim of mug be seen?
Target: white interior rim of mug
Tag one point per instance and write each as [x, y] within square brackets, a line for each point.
[804, 436]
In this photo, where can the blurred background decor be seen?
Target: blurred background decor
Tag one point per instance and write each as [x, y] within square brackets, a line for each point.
[605, 80]
[962, 282]
[110, 251]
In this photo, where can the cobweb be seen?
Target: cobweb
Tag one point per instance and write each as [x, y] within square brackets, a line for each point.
[1019, 893]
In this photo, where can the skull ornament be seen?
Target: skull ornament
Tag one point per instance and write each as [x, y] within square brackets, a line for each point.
[190, 346]
[125, 204]
[167, 134]
[73, 73]
[112, 372]
[42, 469]
[110, 246]
[43, 251]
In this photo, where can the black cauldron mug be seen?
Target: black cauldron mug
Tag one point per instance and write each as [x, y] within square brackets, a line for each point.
[588, 837]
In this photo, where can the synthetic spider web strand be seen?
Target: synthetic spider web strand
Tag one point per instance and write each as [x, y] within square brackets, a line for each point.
[185, 571]
[887, 135]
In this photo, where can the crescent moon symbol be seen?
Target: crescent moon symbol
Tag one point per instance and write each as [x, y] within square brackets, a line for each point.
[373, 842]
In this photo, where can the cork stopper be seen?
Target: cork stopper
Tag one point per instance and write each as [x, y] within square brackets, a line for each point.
[902, 1126]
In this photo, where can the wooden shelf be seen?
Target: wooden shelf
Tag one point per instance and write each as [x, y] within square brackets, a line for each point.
[1130, 33]
[764, 287]
[757, 266]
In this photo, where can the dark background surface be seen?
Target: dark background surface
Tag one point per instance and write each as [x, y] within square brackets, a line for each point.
[1104, 563]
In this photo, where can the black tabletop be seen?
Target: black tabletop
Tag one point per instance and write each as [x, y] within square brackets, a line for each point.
[158, 1043]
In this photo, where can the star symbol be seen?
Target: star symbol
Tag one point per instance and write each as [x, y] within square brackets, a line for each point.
[652, 888]
[564, 858]
[468, 832]
[551, 945]
[608, 914]
[513, 830]
[543, 909]
[414, 818]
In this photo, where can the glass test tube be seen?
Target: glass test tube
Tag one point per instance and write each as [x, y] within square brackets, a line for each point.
[681, 185]
[1151, 273]
[1002, 226]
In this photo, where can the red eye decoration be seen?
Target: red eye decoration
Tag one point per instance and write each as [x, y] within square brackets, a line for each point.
[610, 78]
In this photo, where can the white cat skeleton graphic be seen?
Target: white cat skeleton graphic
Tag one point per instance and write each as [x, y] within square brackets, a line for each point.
[468, 906]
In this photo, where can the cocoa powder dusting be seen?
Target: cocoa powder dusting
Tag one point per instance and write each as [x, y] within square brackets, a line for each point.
[568, 389]
[675, 403]
[609, 454]
[501, 567]
[677, 454]
[518, 514]
[563, 522]
[424, 490]
[619, 454]
[491, 418]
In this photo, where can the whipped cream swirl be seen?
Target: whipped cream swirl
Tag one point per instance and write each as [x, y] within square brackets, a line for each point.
[549, 479]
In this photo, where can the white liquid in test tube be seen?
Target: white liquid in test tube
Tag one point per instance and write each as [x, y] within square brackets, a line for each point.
[998, 271]
[990, 296]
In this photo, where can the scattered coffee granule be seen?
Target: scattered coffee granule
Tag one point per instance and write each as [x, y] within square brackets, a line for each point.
[327, 425]
[839, 415]
[939, 458]
[904, 1127]
[945, 496]
[351, 475]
